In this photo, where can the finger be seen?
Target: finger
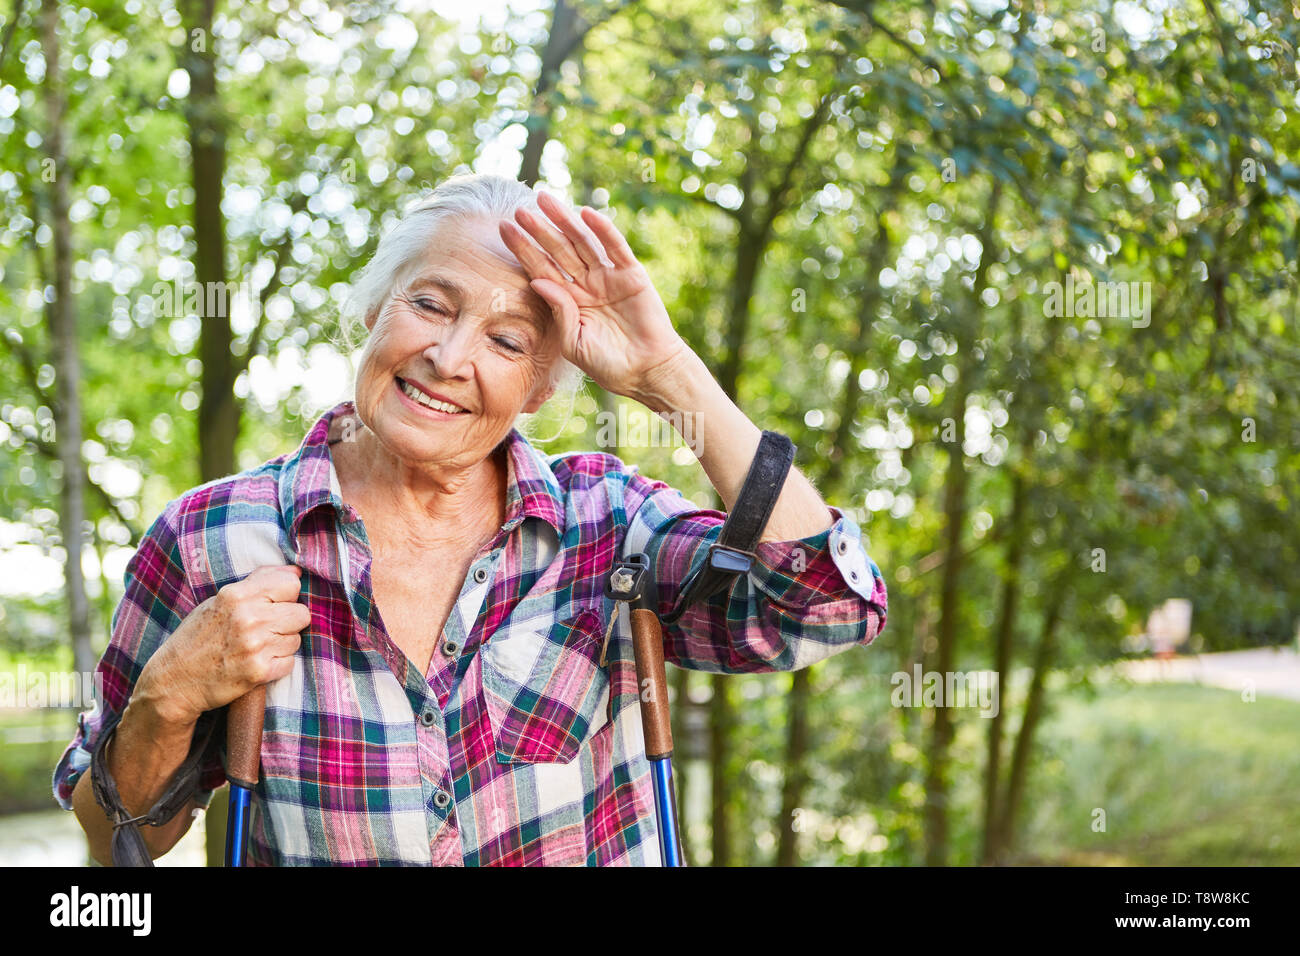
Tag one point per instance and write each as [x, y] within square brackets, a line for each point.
[280, 582]
[586, 244]
[616, 247]
[562, 306]
[533, 257]
[283, 645]
[283, 583]
[280, 667]
[285, 618]
[556, 244]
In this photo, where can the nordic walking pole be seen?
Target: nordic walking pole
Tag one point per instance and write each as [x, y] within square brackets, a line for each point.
[243, 765]
[633, 581]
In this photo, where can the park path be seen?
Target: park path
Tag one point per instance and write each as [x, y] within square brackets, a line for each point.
[54, 838]
[1270, 671]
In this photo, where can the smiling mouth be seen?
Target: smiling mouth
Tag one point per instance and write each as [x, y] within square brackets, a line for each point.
[419, 397]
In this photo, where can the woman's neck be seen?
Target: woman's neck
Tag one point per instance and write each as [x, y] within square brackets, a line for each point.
[426, 504]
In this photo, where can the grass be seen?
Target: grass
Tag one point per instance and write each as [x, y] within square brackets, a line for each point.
[1185, 775]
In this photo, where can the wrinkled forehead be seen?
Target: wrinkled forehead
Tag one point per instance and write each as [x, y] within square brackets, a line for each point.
[469, 257]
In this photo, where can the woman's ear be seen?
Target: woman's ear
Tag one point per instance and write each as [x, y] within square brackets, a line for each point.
[370, 318]
[538, 400]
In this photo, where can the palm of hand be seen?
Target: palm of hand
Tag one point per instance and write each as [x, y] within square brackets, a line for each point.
[613, 324]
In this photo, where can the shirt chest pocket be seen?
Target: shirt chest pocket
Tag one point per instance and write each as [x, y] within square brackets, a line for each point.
[545, 692]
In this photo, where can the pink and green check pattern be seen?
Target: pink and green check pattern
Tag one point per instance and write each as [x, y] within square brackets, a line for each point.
[517, 746]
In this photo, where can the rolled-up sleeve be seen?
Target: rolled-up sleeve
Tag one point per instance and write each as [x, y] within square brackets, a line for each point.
[801, 602]
[157, 598]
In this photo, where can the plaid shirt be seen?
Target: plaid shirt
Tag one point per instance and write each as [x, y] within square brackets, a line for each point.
[516, 747]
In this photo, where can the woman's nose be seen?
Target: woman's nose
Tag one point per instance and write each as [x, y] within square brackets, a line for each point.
[452, 355]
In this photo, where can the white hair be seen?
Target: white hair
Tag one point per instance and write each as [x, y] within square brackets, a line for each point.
[469, 196]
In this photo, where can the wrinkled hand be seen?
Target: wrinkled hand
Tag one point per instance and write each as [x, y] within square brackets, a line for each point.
[244, 635]
[612, 322]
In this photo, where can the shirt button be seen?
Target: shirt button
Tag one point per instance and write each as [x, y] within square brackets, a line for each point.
[480, 574]
[441, 799]
[853, 576]
[450, 648]
[842, 547]
[427, 717]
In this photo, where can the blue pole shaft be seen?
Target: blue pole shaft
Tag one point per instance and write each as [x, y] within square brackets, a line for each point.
[633, 581]
[237, 825]
[666, 809]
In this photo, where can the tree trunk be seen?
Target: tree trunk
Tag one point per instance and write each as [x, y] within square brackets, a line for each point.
[567, 32]
[954, 508]
[1025, 738]
[62, 319]
[796, 774]
[721, 718]
[219, 410]
[744, 277]
[1002, 661]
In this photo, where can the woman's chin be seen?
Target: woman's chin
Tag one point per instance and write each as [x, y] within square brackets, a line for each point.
[415, 439]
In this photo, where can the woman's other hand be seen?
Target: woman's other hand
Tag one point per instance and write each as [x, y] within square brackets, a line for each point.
[243, 636]
[612, 321]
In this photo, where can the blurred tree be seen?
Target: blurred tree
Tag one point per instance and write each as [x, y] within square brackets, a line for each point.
[61, 315]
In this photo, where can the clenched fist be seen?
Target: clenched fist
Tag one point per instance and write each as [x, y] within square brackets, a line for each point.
[243, 636]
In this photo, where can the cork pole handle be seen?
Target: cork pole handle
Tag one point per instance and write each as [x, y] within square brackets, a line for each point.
[244, 737]
[648, 648]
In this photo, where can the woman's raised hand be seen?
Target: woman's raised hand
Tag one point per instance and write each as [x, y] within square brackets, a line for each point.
[612, 322]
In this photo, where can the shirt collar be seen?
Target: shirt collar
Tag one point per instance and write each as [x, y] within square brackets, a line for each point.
[308, 480]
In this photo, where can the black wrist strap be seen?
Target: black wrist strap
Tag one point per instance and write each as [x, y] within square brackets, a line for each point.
[733, 554]
[128, 846]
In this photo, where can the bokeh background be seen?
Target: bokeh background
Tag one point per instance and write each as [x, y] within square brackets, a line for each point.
[878, 221]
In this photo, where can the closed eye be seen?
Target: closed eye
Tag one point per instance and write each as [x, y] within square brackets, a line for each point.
[506, 343]
[430, 306]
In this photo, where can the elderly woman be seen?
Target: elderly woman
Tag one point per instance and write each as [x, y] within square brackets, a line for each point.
[422, 591]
